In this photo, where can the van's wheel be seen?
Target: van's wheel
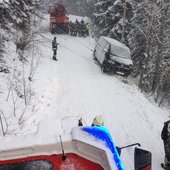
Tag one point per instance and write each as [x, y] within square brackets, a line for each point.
[104, 67]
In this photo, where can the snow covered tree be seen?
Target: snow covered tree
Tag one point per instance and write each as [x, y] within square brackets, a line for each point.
[140, 36]
[112, 18]
[3, 15]
[163, 89]
[4, 26]
[16, 18]
[21, 13]
[1, 47]
[102, 17]
[161, 75]
[148, 42]
[79, 7]
[122, 14]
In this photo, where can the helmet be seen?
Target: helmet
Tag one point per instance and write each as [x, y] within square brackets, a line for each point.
[98, 121]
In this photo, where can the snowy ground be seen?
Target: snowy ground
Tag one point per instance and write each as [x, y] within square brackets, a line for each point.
[74, 87]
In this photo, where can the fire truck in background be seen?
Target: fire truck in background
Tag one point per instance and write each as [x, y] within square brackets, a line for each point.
[59, 21]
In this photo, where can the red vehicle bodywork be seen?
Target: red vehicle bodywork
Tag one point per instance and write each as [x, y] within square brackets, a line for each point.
[77, 162]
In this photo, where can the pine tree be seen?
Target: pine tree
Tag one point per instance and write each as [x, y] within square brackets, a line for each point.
[122, 14]
[16, 17]
[148, 42]
[162, 63]
[78, 7]
[102, 17]
[112, 18]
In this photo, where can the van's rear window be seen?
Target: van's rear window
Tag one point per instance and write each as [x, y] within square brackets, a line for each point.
[120, 51]
[30, 165]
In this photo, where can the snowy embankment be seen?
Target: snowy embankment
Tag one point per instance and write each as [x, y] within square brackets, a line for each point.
[75, 87]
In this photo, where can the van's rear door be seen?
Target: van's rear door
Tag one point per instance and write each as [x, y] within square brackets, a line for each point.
[98, 49]
[100, 54]
[103, 51]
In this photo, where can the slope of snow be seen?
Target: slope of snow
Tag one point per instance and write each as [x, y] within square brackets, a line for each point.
[75, 87]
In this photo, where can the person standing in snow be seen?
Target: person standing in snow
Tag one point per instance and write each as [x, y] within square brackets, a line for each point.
[87, 25]
[55, 48]
[165, 136]
[76, 27]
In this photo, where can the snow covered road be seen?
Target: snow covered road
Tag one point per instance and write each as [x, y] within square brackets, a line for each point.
[74, 87]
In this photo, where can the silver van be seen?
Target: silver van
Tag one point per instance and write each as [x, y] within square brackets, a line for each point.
[113, 56]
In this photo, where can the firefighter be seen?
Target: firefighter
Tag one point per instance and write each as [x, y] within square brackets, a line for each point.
[84, 31]
[74, 30]
[55, 48]
[71, 27]
[165, 136]
[81, 28]
[88, 26]
[76, 27]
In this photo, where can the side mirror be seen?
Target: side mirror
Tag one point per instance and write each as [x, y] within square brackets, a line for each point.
[143, 159]
[127, 146]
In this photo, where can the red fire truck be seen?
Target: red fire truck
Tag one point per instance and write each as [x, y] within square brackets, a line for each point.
[59, 21]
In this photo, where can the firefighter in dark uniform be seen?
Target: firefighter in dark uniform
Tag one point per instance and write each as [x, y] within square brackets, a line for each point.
[87, 28]
[55, 48]
[76, 27]
[165, 136]
[82, 27]
[71, 25]
[84, 31]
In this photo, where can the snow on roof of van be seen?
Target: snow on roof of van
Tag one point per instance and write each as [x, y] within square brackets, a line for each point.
[115, 42]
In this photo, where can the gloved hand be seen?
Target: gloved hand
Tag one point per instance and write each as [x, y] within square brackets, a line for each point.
[80, 122]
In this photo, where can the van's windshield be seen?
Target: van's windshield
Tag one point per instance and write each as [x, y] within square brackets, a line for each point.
[120, 52]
